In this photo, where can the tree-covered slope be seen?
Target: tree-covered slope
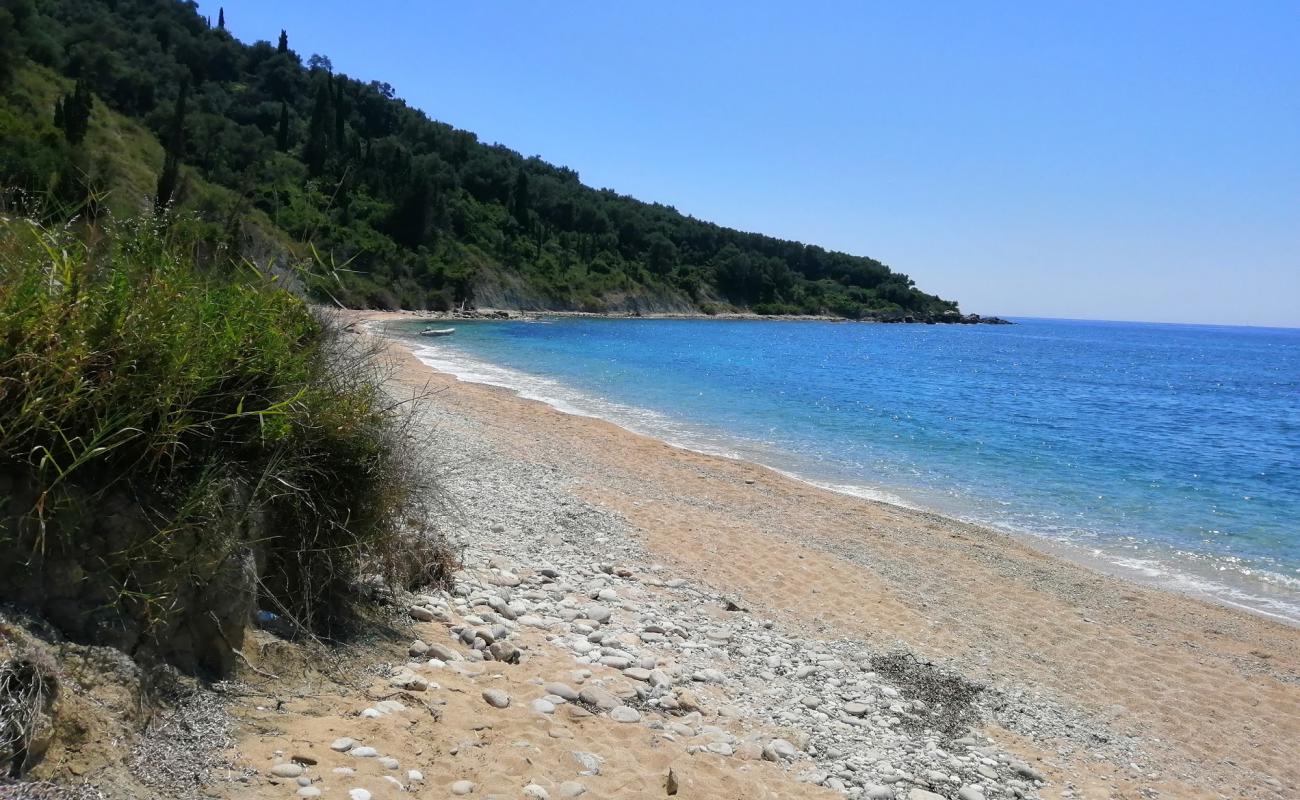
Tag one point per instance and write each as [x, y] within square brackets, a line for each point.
[422, 215]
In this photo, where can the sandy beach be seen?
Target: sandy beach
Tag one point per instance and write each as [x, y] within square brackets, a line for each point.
[1089, 686]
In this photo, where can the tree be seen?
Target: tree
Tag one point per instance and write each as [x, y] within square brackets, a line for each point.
[221, 18]
[282, 132]
[320, 130]
[170, 176]
[72, 113]
[283, 47]
[10, 47]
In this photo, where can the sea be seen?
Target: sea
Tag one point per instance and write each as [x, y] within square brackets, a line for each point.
[1168, 454]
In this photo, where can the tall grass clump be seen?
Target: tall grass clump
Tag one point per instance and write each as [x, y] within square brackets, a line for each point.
[163, 423]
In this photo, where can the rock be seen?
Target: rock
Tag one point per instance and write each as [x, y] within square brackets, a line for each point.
[590, 762]
[342, 745]
[388, 762]
[878, 791]
[625, 714]
[637, 674]
[358, 794]
[779, 750]
[921, 794]
[542, 706]
[309, 791]
[443, 653]
[969, 793]
[561, 690]
[363, 752]
[497, 527]
[1025, 771]
[709, 676]
[535, 792]
[496, 698]
[409, 681]
[814, 776]
[598, 697]
[856, 709]
[597, 613]
[505, 652]
[462, 787]
[423, 615]
[306, 761]
[572, 789]
[415, 776]
[286, 770]
[418, 649]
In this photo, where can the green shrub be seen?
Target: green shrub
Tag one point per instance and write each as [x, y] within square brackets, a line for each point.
[128, 371]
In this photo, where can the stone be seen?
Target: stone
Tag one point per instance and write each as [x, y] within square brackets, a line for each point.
[543, 706]
[415, 776]
[309, 791]
[534, 792]
[342, 745]
[878, 791]
[388, 762]
[709, 676]
[561, 690]
[597, 613]
[625, 714]
[358, 794]
[922, 794]
[409, 681]
[443, 653]
[363, 752]
[590, 762]
[969, 793]
[856, 709]
[286, 770]
[598, 697]
[638, 674]
[779, 750]
[462, 787]
[505, 652]
[496, 698]
[423, 615]
[418, 649]
[1025, 771]
[572, 789]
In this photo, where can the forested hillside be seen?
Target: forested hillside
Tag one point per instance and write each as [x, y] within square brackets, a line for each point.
[144, 103]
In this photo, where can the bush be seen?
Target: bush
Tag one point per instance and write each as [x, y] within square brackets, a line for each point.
[217, 408]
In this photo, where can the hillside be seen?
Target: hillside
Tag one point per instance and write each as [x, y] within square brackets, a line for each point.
[413, 213]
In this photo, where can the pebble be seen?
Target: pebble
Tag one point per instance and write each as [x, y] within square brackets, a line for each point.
[358, 794]
[462, 787]
[496, 698]
[561, 690]
[363, 752]
[286, 770]
[542, 706]
[922, 794]
[309, 791]
[342, 745]
[388, 762]
[625, 714]
[778, 750]
[423, 615]
[415, 776]
[535, 792]
[572, 789]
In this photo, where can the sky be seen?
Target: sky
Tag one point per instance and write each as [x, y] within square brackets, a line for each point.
[1094, 160]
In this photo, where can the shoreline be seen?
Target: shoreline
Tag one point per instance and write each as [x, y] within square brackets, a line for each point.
[1207, 693]
[498, 314]
[1167, 575]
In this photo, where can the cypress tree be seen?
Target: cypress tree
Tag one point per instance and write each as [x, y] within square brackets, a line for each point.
[72, 113]
[221, 18]
[284, 42]
[321, 130]
[282, 133]
[175, 145]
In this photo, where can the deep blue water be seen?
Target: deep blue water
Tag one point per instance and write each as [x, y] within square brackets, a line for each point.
[1172, 451]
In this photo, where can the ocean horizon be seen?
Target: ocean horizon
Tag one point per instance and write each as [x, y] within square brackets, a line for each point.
[1168, 453]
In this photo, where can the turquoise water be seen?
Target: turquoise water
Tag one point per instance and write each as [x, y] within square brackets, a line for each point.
[1168, 452]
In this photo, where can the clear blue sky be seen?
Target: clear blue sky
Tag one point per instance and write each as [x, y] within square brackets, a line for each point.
[1089, 159]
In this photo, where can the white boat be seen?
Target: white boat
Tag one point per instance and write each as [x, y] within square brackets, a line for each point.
[437, 331]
